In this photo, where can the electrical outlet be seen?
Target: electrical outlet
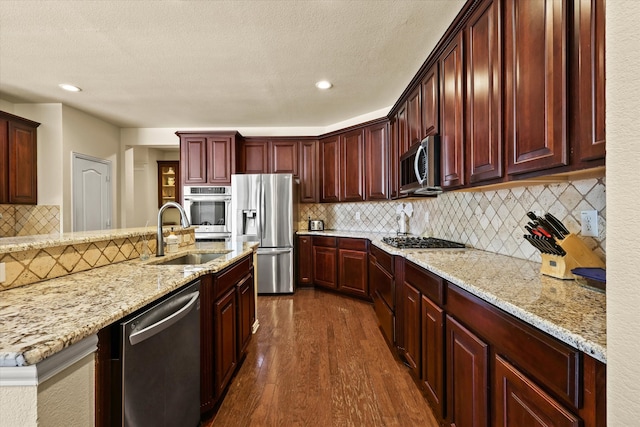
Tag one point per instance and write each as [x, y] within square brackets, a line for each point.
[358, 216]
[3, 275]
[589, 221]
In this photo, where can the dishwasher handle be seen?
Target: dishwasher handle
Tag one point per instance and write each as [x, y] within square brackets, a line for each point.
[151, 330]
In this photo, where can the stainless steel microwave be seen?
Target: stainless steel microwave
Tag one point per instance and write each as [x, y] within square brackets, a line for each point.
[420, 168]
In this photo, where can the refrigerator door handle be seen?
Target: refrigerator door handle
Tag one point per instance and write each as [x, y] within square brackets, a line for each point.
[274, 252]
[261, 204]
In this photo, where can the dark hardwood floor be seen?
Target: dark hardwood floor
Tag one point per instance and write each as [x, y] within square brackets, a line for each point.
[318, 359]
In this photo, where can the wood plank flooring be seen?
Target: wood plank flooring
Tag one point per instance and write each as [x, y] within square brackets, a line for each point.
[319, 359]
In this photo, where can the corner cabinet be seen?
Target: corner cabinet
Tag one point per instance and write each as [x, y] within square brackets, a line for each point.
[18, 160]
[207, 157]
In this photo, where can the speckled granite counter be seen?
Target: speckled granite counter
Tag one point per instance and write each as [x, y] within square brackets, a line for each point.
[561, 308]
[41, 319]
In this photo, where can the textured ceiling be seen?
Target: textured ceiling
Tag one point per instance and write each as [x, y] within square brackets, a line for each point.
[217, 63]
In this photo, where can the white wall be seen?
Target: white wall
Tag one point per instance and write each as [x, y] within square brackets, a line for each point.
[623, 194]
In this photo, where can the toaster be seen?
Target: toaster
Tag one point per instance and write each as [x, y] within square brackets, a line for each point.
[316, 225]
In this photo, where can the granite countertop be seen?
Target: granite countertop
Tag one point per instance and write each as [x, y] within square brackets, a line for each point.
[562, 308]
[41, 319]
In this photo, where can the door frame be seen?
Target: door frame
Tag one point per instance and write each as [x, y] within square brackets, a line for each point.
[79, 156]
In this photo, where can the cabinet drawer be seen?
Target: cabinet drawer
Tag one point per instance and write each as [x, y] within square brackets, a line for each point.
[383, 259]
[427, 283]
[385, 317]
[329, 242]
[228, 277]
[382, 282]
[353, 244]
[554, 365]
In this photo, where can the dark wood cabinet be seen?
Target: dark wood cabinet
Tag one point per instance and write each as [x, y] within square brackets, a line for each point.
[330, 169]
[535, 84]
[484, 94]
[254, 157]
[305, 260]
[587, 59]
[432, 357]
[208, 157]
[382, 290]
[284, 157]
[430, 102]
[403, 129]
[412, 313]
[520, 402]
[246, 312]
[414, 117]
[452, 114]
[377, 161]
[467, 377]
[18, 160]
[352, 156]
[308, 170]
[268, 156]
[225, 351]
[394, 161]
[353, 266]
[325, 262]
[168, 182]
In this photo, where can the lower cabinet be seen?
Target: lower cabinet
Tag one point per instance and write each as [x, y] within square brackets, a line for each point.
[225, 353]
[325, 262]
[432, 358]
[340, 264]
[246, 312]
[304, 252]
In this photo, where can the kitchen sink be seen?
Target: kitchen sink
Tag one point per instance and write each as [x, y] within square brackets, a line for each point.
[191, 259]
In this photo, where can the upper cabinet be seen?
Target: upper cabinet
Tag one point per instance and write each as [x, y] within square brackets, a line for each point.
[535, 84]
[430, 102]
[376, 139]
[268, 156]
[330, 169]
[207, 157]
[414, 117]
[484, 94]
[253, 157]
[352, 166]
[308, 169]
[18, 160]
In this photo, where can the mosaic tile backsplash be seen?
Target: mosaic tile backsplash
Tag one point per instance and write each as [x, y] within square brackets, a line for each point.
[489, 220]
[28, 220]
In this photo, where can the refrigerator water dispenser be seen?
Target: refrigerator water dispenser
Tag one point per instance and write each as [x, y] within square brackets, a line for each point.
[249, 222]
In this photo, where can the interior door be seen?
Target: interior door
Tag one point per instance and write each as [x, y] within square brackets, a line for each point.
[91, 193]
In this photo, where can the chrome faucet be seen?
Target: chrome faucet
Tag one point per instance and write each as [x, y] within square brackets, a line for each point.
[184, 221]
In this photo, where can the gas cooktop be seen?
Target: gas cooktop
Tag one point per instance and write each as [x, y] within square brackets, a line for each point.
[406, 242]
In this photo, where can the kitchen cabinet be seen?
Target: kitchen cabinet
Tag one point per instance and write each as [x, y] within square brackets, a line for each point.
[414, 117]
[430, 102]
[308, 170]
[253, 157]
[535, 81]
[225, 355]
[330, 169]
[268, 156]
[467, 375]
[246, 312]
[353, 266]
[352, 164]
[452, 114]
[325, 262]
[412, 312]
[394, 161]
[432, 355]
[377, 161]
[304, 251]
[382, 290]
[168, 182]
[207, 157]
[403, 129]
[18, 160]
[484, 94]
[587, 98]
[284, 157]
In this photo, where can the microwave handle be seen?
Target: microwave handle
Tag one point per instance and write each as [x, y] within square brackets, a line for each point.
[416, 163]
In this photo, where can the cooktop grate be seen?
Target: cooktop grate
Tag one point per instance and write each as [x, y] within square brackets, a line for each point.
[420, 243]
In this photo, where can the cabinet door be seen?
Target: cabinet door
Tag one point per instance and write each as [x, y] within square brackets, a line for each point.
[414, 117]
[330, 169]
[451, 114]
[308, 169]
[588, 82]
[394, 160]
[353, 272]
[411, 325]
[254, 157]
[377, 167]
[520, 402]
[325, 263]
[467, 377]
[352, 166]
[430, 102]
[23, 164]
[433, 354]
[193, 157]
[535, 84]
[225, 354]
[246, 311]
[403, 130]
[305, 260]
[284, 157]
[4, 161]
[207, 344]
[220, 160]
[484, 106]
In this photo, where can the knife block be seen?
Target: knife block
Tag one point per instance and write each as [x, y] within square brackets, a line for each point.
[577, 254]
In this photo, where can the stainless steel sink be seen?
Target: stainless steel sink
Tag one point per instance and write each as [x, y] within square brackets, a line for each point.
[191, 259]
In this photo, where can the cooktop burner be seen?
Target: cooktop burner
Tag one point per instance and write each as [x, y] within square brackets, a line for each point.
[406, 242]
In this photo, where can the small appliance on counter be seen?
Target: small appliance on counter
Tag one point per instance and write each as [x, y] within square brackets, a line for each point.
[561, 251]
[316, 225]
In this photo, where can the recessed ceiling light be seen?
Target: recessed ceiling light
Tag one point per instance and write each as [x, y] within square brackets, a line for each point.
[323, 84]
[70, 88]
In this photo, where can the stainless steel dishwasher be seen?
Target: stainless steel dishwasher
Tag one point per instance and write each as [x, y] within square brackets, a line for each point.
[159, 365]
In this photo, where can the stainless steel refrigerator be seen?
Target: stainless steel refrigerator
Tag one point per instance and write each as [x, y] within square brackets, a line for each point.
[264, 209]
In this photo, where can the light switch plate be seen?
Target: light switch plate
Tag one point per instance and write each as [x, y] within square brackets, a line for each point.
[3, 275]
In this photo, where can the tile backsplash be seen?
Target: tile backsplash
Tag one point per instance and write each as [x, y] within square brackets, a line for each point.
[489, 220]
[28, 220]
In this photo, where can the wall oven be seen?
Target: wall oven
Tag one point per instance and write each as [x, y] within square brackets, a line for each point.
[209, 209]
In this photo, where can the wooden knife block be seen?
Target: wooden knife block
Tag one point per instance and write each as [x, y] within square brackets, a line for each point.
[577, 255]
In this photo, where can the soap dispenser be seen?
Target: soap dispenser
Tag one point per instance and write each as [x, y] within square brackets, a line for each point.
[172, 242]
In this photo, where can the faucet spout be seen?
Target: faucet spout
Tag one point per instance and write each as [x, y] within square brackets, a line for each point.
[184, 221]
